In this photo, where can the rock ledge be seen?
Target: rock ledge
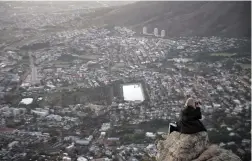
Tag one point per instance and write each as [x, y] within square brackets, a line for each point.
[191, 147]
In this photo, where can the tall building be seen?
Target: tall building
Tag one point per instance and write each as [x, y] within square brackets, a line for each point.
[144, 30]
[3, 123]
[156, 31]
[34, 75]
[163, 33]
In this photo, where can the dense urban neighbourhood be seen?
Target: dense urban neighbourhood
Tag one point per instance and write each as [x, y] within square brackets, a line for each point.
[61, 95]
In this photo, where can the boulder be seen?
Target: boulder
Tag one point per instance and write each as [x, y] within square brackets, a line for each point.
[191, 147]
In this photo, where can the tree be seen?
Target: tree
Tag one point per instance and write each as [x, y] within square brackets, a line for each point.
[229, 63]
[53, 140]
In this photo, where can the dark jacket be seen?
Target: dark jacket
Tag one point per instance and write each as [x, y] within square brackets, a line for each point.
[189, 122]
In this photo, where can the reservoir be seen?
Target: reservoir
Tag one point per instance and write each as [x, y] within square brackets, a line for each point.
[133, 92]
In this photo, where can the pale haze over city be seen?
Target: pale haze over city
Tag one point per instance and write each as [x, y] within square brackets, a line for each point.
[125, 80]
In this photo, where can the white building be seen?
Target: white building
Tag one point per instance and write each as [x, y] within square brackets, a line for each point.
[3, 122]
[15, 111]
[216, 105]
[156, 32]
[82, 142]
[236, 101]
[180, 47]
[40, 111]
[103, 134]
[219, 88]
[105, 127]
[54, 117]
[66, 158]
[81, 159]
[144, 30]
[163, 33]
[150, 135]
[10, 145]
[26, 101]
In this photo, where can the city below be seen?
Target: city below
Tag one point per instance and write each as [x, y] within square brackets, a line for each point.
[103, 93]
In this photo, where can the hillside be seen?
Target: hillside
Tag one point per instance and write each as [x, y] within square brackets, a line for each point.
[198, 18]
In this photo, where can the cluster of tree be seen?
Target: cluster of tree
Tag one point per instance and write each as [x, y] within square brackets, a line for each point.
[153, 125]
[134, 138]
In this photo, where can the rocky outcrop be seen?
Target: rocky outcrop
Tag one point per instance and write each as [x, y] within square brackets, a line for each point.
[193, 147]
[215, 153]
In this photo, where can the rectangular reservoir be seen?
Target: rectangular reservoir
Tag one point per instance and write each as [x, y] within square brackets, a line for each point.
[133, 92]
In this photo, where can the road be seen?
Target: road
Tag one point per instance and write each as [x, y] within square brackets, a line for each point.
[34, 74]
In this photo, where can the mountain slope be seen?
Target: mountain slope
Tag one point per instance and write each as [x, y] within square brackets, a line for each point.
[232, 19]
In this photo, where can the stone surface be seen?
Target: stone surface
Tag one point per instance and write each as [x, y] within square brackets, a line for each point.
[191, 147]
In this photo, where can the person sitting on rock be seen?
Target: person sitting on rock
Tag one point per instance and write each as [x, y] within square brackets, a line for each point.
[189, 122]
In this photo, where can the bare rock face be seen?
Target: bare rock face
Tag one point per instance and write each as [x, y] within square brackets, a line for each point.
[215, 153]
[191, 147]
[182, 147]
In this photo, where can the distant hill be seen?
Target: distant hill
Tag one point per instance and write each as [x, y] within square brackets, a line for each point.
[198, 18]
